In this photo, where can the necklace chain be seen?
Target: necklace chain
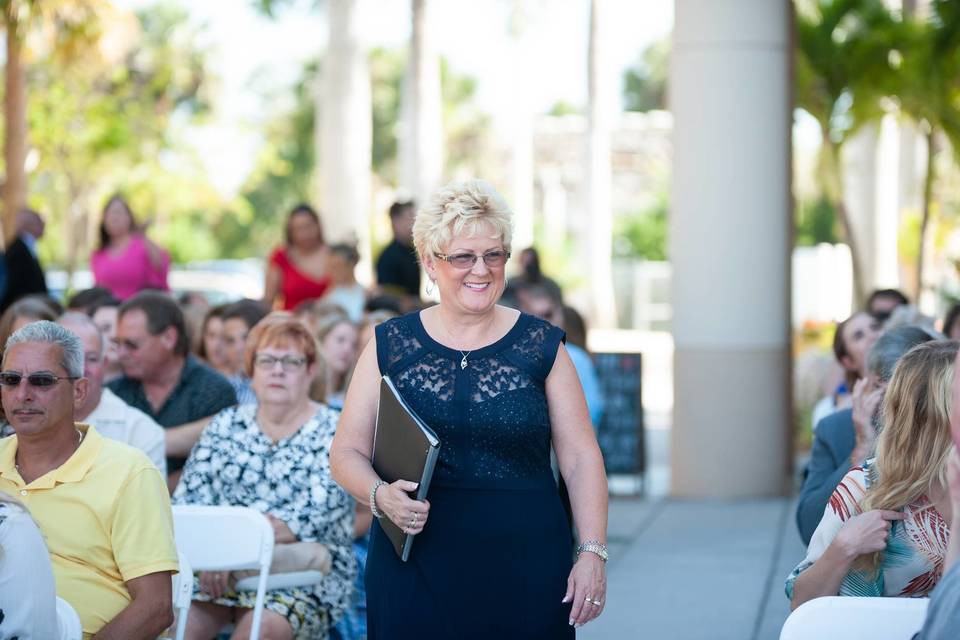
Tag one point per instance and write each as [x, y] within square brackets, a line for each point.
[464, 353]
[79, 442]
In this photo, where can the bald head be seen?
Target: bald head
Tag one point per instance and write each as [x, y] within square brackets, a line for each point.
[94, 367]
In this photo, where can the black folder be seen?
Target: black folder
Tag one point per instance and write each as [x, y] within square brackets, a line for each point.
[404, 448]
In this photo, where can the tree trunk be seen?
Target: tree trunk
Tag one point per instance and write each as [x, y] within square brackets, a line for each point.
[833, 181]
[421, 139]
[928, 182]
[15, 121]
[344, 134]
[521, 129]
[601, 95]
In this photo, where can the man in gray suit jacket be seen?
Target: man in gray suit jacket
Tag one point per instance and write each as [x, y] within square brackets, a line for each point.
[839, 443]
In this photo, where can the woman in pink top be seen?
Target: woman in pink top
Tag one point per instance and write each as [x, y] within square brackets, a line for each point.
[127, 261]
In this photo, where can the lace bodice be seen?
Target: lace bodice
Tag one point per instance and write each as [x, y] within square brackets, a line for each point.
[491, 416]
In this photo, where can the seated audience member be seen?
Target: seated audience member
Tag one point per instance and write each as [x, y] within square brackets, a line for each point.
[23, 312]
[387, 302]
[28, 598]
[273, 456]
[943, 614]
[344, 290]
[398, 270]
[338, 349]
[238, 319]
[211, 348]
[543, 300]
[86, 299]
[951, 323]
[851, 342]
[885, 529]
[530, 274]
[104, 315]
[882, 302]
[111, 416]
[162, 379]
[101, 505]
[846, 438]
[369, 323]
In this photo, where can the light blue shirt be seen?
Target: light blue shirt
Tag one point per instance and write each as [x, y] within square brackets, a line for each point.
[589, 381]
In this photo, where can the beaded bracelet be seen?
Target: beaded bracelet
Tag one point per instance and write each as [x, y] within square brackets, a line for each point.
[594, 546]
[373, 499]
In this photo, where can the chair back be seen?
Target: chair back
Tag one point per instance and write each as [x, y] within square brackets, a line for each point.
[854, 617]
[68, 622]
[226, 539]
[183, 594]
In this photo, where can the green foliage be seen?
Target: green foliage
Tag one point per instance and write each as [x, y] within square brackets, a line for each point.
[816, 222]
[100, 124]
[645, 84]
[643, 234]
[562, 108]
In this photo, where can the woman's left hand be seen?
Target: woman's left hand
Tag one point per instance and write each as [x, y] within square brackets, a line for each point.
[586, 588]
[281, 532]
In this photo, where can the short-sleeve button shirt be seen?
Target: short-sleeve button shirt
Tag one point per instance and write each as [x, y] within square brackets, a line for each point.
[200, 393]
[105, 514]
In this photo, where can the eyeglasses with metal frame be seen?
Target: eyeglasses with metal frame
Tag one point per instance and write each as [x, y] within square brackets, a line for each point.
[496, 258]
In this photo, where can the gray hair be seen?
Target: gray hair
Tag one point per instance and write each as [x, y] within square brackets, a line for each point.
[891, 346]
[51, 333]
[75, 319]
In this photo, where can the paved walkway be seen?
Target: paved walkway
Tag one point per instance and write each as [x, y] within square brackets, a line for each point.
[697, 570]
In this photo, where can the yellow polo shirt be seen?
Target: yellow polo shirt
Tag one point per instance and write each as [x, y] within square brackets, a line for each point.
[105, 514]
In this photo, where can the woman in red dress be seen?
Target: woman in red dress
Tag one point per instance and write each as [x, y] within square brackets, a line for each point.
[297, 271]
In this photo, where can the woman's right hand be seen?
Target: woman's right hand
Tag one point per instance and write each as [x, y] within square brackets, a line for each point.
[408, 514]
[867, 532]
[215, 583]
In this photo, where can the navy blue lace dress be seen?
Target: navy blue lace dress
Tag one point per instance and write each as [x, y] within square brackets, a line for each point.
[493, 559]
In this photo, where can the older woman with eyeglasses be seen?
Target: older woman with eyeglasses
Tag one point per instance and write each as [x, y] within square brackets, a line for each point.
[492, 555]
[274, 456]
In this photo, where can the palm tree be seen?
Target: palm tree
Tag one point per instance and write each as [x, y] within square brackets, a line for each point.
[73, 25]
[926, 84]
[601, 94]
[344, 130]
[842, 65]
[421, 142]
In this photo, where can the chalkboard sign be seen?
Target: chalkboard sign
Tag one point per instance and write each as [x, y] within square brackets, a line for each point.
[621, 429]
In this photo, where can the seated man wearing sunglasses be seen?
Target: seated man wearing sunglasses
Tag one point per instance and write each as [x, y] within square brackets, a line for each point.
[101, 505]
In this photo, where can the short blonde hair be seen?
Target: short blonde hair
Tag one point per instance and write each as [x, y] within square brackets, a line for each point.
[472, 207]
[276, 329]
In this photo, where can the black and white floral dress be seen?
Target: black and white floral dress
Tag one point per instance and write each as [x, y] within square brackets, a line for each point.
[235, 464]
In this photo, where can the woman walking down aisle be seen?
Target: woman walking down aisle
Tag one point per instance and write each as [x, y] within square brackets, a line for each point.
[492, 557]
[127, 261]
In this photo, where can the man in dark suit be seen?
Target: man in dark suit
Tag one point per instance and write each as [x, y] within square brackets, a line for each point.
[846, 438]
[24, 274]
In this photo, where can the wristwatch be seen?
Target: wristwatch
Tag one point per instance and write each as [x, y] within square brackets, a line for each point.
[594, 546]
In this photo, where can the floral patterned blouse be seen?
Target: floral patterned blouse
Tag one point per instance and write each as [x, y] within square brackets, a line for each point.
[912, 563]
[235, 464]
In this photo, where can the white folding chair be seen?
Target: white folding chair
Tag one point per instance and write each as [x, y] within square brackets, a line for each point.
[853, 618]
[183, 594]
[68, 622]
[227, 539]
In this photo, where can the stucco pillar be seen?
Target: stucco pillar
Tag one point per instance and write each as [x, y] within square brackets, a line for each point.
[730, 239]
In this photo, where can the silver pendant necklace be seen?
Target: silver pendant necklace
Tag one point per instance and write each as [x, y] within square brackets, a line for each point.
[463, 361]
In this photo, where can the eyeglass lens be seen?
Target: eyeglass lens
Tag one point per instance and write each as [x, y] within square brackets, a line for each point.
[491, 259]
[11, 379]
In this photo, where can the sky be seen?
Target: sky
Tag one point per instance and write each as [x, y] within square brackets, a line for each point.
[253, 56]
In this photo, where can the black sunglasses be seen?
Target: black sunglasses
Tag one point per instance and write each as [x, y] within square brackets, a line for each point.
[12, 379]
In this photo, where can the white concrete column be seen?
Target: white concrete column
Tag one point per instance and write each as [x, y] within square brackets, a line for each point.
[730, 239]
